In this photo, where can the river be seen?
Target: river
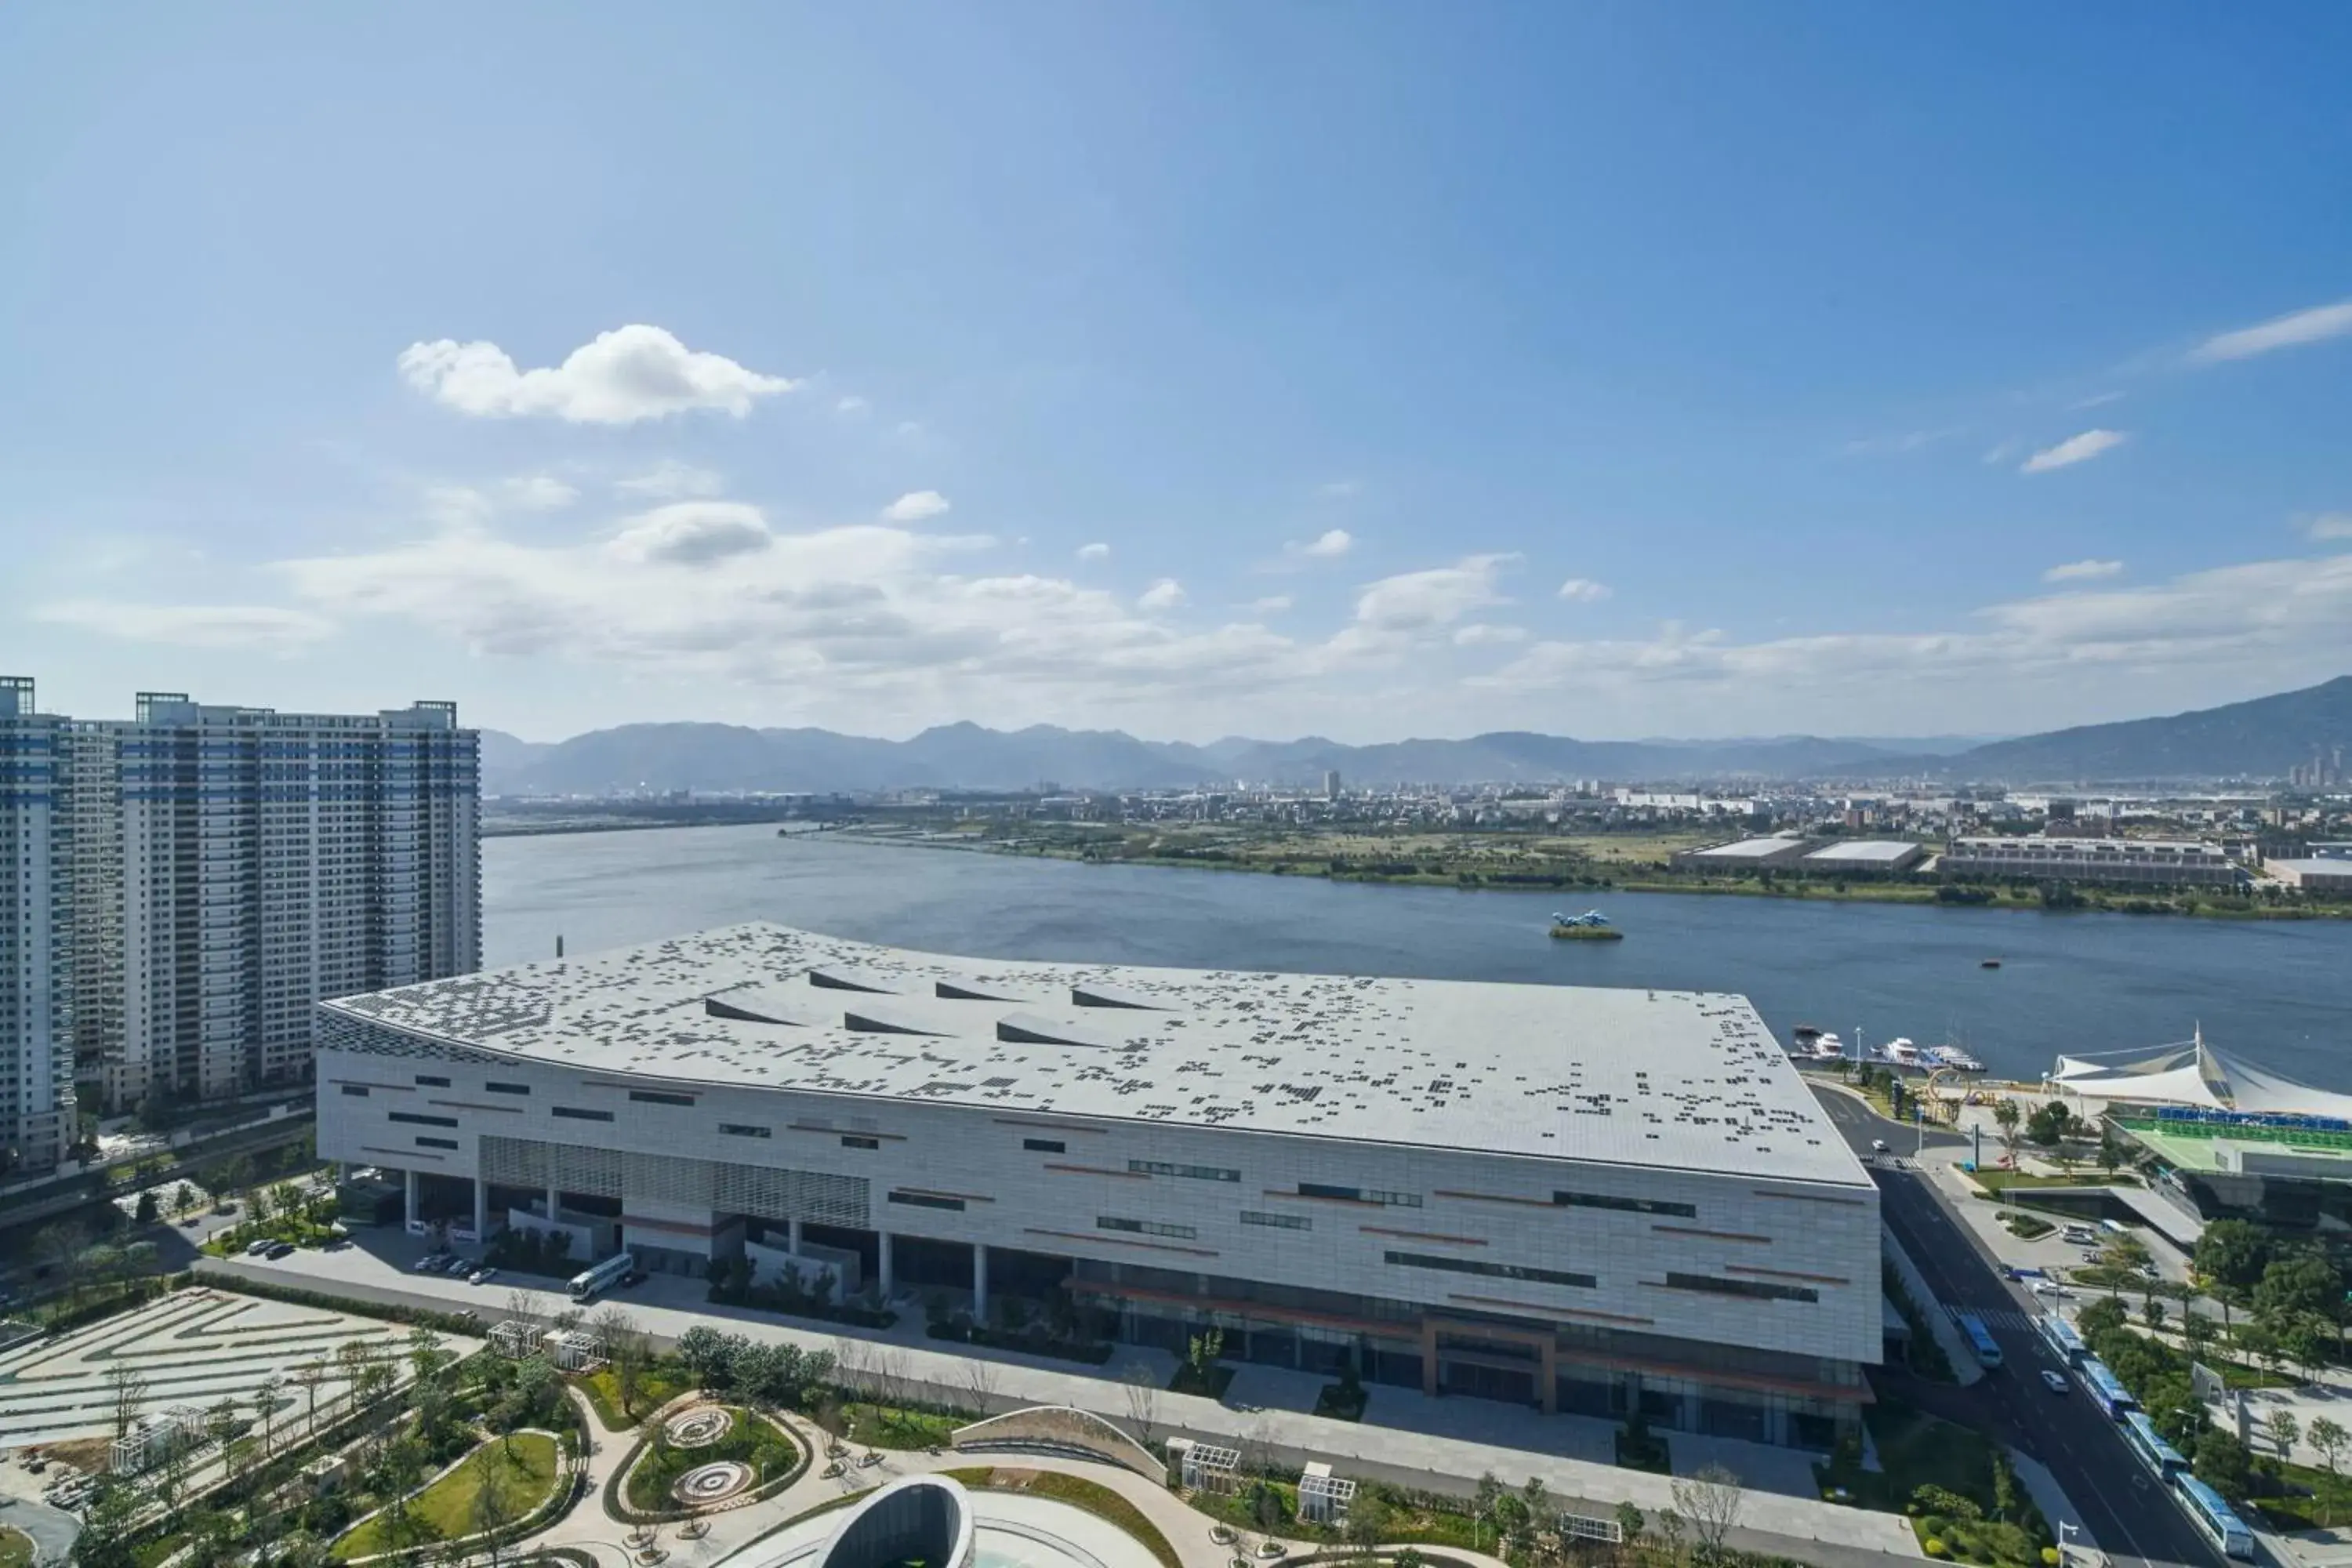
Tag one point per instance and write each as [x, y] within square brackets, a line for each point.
[2276, 993]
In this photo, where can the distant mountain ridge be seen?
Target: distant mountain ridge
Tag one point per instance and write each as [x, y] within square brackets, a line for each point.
[2263, 737]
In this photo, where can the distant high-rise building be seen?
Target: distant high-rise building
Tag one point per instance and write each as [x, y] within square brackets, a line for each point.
[1331, 783]
[215, 871]
[36, 1085]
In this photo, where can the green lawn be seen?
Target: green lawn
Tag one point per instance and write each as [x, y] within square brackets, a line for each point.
[15, 1548]
[1918, 1449]
[2329, 1504]
[887, 1426]
[526, 1477]
[1992, 1182]
[656, 1385]
[1078, 1492]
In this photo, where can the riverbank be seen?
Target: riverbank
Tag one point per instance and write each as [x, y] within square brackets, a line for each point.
[2189, 905]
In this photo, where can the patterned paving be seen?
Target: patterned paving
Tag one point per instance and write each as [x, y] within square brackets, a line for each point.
[194, 1347]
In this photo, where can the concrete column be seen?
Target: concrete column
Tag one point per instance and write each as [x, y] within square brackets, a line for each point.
[792, 1230]
[481, 1209]
[554, 1204]
[1548, 1396]
[978, 1282]
[409, 1186]
[1429, 1357]
[889, 1279]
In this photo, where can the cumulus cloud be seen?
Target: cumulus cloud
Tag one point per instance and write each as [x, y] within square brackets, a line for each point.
[2073, 449]
[1427, 601]
[630, 374]
[693, 533]
[1328, 545]
[1482, 634]
[670, 480]
[1584, 590]
[2291, 330]
[2083, 571]
[1164, 595]
[260, 627]
[915, 506]
[2330, 525]
[540, 492]
[1096, 552]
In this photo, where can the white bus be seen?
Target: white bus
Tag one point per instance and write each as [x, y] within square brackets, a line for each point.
[589, 1283]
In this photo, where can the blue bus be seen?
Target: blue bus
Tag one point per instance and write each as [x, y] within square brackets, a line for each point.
[2063, 1339]
[1973, 1329]
[2148, 1446]
[2106, 1390]
[2213, 1518]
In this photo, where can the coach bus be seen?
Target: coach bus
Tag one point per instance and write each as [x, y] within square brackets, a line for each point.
[2065, 1342]
[1979, 1340]
[589, 1283]
[2213, 1518]
[2147, 1445]
[2106, 1390]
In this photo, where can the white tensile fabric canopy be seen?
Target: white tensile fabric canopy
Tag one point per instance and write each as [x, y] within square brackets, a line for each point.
[2195, 1074]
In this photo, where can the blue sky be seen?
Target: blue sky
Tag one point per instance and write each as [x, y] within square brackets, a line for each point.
[1358, 369]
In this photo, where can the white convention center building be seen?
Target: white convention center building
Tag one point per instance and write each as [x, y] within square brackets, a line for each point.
[1587, 1200]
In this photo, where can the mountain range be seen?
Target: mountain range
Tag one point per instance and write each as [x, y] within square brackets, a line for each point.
[2261, 738]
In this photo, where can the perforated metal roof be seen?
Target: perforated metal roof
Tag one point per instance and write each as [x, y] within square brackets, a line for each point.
[1675, 1079]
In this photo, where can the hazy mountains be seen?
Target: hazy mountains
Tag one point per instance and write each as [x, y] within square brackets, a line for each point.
[2263, 739]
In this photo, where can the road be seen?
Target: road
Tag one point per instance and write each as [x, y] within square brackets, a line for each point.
[2133, 1519]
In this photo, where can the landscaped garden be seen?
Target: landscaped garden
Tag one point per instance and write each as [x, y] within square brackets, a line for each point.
[710, 1454]
[504, 1480]
[1964, 1501]
[15, 1548]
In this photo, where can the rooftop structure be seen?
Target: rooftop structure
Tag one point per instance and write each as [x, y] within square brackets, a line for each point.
[2318, 873]
[2137, 861]
[1687, 1080]
[1745, 855]
[1866, 855]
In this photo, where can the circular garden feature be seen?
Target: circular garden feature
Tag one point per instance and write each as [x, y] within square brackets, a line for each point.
[707, 1457]
[698, 1427]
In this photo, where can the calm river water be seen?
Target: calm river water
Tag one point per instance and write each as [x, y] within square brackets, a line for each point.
[2278, 993]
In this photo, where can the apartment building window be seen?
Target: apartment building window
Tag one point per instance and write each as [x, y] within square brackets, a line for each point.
[1045, 1145]
[1360, 1194]
[927, 1201]
[1492, 1270]
[656, 1097]
[437, 1143]
[507, 1088]
[1277, 1221]
[578, 1113]
[420, 1120]
[1194, 1172]
[1145, 1227]
[1755, 1289]
[1626, 1205]
[742, 1130]
[430, 1080]
[852, 1141]
[356, 1088]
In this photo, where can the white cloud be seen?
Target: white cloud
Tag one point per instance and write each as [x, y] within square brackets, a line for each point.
[1426, 601]
[631, 373]
[670, 480]
[2292, 331]
[915, 506]
[2073, 449]
[1480, 634]
[908, 429]
[850, 405]
[693, 533]
[1328, 545]
[1096, 552]
[540, 492]
[1271, 605]
[1164, 595]
[1584, 590]
[458, 506]
[262, 627]
[2330, 525]
[2083, 571]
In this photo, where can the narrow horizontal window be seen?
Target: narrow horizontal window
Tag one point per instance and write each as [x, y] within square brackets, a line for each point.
[1191, 1173]
[1625, 1205]
[927, 1201]
[1045, 1145]
[656, 1097]
[431, 1080]
[437, 1143]
[852, 1141]
[507, 1088]
[358, 1089]
[576, 1113]
[421, 1119]
[1755, 1289]
[1277, 1221]
[1493, 1270]
[1145, 1227]
[1360, 1194]
[743, 1130]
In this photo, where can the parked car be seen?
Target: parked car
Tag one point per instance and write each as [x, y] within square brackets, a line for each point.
[283, 1250]
[256, 1248]
[428, 1264]
[2054, 1382]
[481, 1275]
[2052, 1288]
[1878, 1145]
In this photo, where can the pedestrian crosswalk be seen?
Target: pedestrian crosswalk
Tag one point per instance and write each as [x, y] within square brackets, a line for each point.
[1995, 1317]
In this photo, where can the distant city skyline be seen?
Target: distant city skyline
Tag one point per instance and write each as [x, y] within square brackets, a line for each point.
[1601, 371]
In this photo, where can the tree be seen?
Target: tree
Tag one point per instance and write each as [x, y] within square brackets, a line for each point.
[427, 1357]
[2222, 1463]
[494, 1508]
[126, 1394]
[1712, 1501]
[2153, 1310]
[220, 1421]
[2297, 1284]
[2285, 1431]
[105, 1529]
[1630, 1522]
[2100, 1317]
[624, 1350]
[2111, 1153]
[2233, 1252]
[2329, 1440]
[1141, 1388]
[1483, 1500]
[2006, 1116]
[707, 1354]
[2308, 1341]
[149, 1209]
[307, 1377]
[184, 1198]
[1367, 1521]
